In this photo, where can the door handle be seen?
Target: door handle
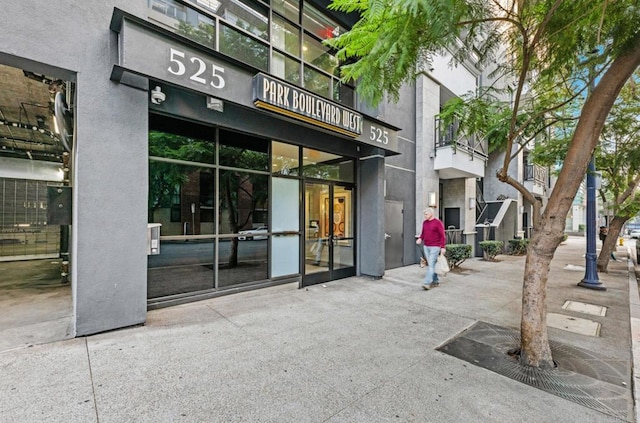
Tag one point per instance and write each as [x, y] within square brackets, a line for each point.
[386, 236]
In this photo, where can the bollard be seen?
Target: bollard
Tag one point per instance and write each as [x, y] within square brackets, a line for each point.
[621, 241]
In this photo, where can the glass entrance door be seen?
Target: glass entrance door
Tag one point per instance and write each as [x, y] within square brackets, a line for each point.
[329, 232]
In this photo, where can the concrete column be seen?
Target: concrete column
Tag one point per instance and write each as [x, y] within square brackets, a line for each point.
[427, 179]
[371, 212]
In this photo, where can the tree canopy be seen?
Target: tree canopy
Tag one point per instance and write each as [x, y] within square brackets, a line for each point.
[545, 53]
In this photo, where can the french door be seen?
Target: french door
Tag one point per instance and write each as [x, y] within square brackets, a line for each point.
[329, 232]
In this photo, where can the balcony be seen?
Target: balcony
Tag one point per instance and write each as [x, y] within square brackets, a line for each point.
[536, 179]
[457, 156]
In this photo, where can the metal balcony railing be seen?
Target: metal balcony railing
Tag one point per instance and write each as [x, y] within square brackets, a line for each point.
[449, 136]
[535, 173]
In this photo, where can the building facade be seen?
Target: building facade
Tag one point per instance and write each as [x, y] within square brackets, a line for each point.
[167, 151]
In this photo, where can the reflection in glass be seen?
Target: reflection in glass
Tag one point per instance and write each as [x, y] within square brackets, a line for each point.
[287, 8]
[285, 67]
[342, 224]
[322, 165]
[317, 82]
[318, 24]
[242, 261]
[284, 158]
[243, 48]
[316, 218]
[243, 151]
[343, 94]
[243, 201]
[183, 265]
[285, 36]
[184, 21]
[315, 53]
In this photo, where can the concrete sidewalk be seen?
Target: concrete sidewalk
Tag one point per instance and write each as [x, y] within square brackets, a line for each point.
[353, 350]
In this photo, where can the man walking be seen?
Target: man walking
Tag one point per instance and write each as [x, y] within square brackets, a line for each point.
[433, 241]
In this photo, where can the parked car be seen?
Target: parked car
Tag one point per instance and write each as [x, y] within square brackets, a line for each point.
[635, 233]
[256, 233]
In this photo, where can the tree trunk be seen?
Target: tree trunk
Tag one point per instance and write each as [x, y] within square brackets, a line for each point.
[610, 242]
[535, 350]
[547, 235]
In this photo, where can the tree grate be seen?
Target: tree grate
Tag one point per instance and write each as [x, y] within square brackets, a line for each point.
[583, 377]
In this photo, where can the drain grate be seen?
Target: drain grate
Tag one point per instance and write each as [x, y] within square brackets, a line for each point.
[582, 377]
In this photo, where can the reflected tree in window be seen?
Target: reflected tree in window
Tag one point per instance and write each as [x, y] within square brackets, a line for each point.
[241, 193]
[204, 33]
[243, 48]
[165, 179]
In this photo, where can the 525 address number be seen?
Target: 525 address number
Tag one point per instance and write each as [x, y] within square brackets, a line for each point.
[379, 135]
[203, 72]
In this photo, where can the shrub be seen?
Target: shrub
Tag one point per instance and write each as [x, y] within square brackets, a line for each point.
[457, 253]
[491, 248]
[565, 237]
[518, 247]
[581, 227]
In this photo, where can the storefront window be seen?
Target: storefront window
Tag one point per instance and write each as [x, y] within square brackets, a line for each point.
[284, 159]
[285, 36]
[322, 165]
[243, 151]
[243, 199]
[243, 48]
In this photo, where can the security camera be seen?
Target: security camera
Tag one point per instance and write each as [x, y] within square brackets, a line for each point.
[157, 96]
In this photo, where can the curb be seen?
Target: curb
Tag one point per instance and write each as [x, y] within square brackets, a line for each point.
[634, 312]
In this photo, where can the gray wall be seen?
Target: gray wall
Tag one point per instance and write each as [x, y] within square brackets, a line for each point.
[400, 171]
[371, 224]
[108, 253]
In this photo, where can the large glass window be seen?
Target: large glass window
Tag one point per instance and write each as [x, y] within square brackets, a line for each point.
[243, 201]
[285, 67]
[318, 24]
[246, 15]
[290, 9]
[315, 53]
[285, 36]
[284, 158]
[317, 82]
[244, 48]
[322, 165]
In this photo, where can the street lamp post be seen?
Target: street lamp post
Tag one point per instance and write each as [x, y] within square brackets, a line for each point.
[590, 279]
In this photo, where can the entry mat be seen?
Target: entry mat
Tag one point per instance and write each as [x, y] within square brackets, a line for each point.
[583, 377]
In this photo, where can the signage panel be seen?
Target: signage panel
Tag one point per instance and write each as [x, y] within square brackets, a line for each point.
[281, 97]
[147, 51]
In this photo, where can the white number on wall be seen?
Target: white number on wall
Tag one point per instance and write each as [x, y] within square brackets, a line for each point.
[177, 57]
[379, 135]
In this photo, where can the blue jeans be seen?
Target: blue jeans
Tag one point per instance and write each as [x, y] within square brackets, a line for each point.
[432, 255]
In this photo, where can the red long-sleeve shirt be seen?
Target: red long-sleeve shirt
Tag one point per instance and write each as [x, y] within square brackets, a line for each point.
[432, 234]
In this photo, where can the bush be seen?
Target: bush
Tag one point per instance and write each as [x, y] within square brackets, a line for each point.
[581, 227]
[518, 247]
[491, 248]
[457, 253]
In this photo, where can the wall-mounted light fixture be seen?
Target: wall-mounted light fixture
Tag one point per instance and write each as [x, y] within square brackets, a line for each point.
[215, 104]
[521, 209]
[472, 203]
[432, 199]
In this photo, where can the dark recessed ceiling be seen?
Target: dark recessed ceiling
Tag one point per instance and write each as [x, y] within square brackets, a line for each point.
[27, 128]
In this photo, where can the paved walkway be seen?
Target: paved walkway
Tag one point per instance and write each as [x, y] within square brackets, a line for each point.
[353, 350]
